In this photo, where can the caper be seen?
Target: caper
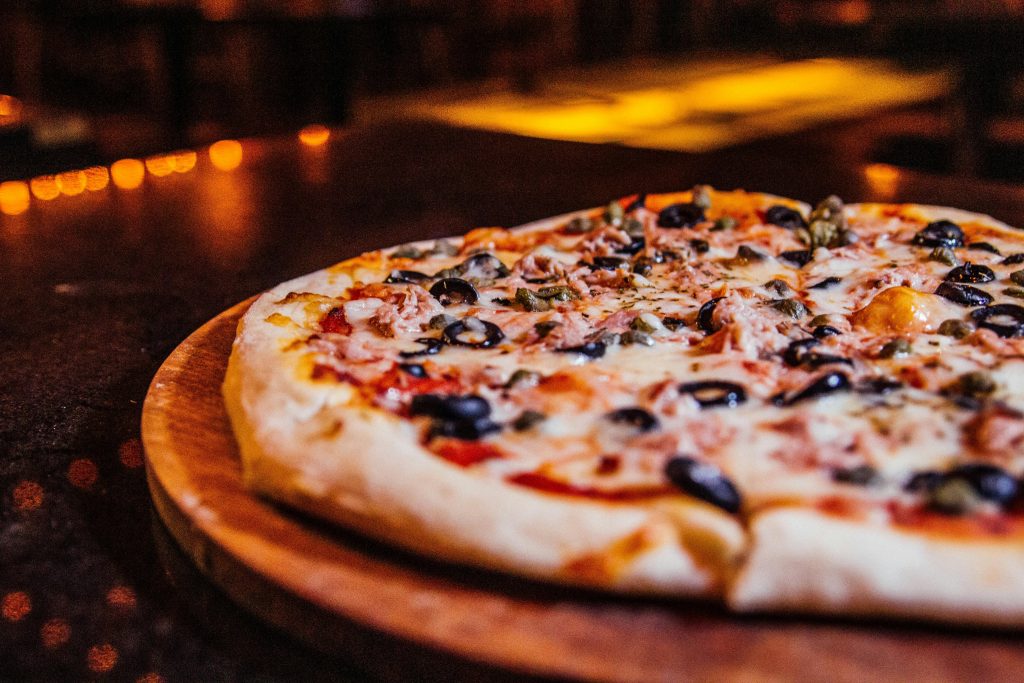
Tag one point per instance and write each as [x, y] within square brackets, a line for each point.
[636, 337]
[544, 328]
[633, 227]
[821, 234]
[579, 225]
[643, 266]
[745, 255]
[558, 293]
[701, 197]
[522, 376]
[823, 319]
[1018, 277]
[780, 287]
[954, 496]
[1015, 292]
[613, 214]
[897, 348]
[943, 255]
[443, 247]
[791, 307]
[530, 301]
[957, 329]
[642, 323]
[441, 321]
[723, 223]
[975, 384]
[407, 251]
[527, 419]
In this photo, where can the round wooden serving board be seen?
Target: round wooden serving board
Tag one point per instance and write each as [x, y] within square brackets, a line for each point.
[332, 588]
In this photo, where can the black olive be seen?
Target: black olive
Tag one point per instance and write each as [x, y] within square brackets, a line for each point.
[431, 346]
[483, 266]
[454, 290]
[991, 482]
[829, 383]
[862, 475]
[703, 481]
[817, 360]
[413, 369]
[800, 257]
[638, 418]
[785, 217]
[700, 246]
[638, 203]
[706, 316]
[826, 283]
[940, 234]
[985, 246]
[594, 349]
[878, 385]
[682, 215]
[608, 263]
[923, 481]
[673, 324]
[466, 430]
[965, 295]
[1006, 320]
[822, 331]
[407, 277]
[714, 393]
[798, 350]
[455, 407]
[971, 273]
[1013, 259]
[492, 333]
[633, 247]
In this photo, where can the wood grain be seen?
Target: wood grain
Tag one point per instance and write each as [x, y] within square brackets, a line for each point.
[327, 586]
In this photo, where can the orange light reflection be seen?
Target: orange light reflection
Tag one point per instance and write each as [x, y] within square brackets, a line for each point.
[71, 183]
[883, 179]
[314, 135]
[160, 166]
[127, 174]
[45, 187]
[14, 197]
[96, 178]
[226, 155]
[184, 161]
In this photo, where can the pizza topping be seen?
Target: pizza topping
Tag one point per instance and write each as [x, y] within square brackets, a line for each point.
[965, 295]
[413, 369]
[784, 217]
[971, 273]
[827, 384]
[472, 332]
[431, 346]
[941, 233]
[637, 418]
[823, 331]
[861, 475]
[944, 255]
[827, 283]
[957, 329]
[1013, 259]
[799, 257]
[579, 225]
[408, 277]
[1017, 277]
[897, 348]
[454, 290]
[984, 246]
[1006, 320]
[827, 226]
[703, 481]
[335, 322]
[900, 309]
[591, 349]
[791, 307]
[528, 419]
[462, 417]
[953, 496]
[466, 453]
[714, 393]
[706, 316]
[682, 215]
[608, 263]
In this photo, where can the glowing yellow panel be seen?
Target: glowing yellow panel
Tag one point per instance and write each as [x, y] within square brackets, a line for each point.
[184, 161]
[71, 183]
[161, 165]
[226, 155]
[314, 135]
[45, 187]
[96, 178]
[14, 197]
[127, 174]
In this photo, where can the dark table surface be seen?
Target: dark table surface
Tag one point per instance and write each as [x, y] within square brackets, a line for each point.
[98, 288]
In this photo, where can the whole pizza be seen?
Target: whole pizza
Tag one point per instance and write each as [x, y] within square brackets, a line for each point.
[727, 395]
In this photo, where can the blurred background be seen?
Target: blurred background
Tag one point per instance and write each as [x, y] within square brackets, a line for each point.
[935, 85]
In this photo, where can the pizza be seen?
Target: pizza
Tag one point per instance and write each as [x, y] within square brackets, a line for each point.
[714, 394]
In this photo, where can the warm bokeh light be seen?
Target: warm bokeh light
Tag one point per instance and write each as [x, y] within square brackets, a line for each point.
[161, 165]
[10, 110]
[151, 677]
[226, 155]
[14, 197]
[121, 597]
[54, 633]
[83, 473]
[314, 135]
[127, 174]
[882, 178]
[28, 495]
[184, 161]
[45, 187]
[96, 178]
[16, 606]
[71, 183]
[102, 658]
[130, 453]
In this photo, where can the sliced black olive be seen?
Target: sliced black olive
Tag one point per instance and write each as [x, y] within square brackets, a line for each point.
[483, 266]
[826, 283]
[638, 203]
[970, 273]
[799, 257]
[829, 383]
[633, 247]
[643, 266]
[862, 475]
[744, 256]
[1013, 259]
[608, 263]
[700, 246]
[454, 290]
[637, 418]
[714, 393]
[455, 407]
[682, 215]
[594, 349]
[413, 369]
[991, 482]
[492, 333]
[822, 331]
[940, 234]
[466, 430]
[706, 316]
[984, 246]
[965, 295]
[673, 324]
[407, 277]
[1006, 320]
[798, 350]
[923, 481]
[784, 217]
[878, 385]
[431, 346]
[703, 481]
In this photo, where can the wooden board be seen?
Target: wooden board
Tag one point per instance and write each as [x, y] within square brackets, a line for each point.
[332, 588]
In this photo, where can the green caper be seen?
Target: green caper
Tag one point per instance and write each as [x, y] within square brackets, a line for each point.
[944, 255]
[701, 197]
[1018, 277]
[1015, 292]
[640, 324]
[897, 348]
[823, 319]
[958, 329]
[723, 223]
[544, 328]
[779, 287]
[954, 496]
[791, 307]
[822, 234]
[530, 301]
[633, 227]
[441, 321]
[527, 419]
[406, 251]
[522, 376]
[579, 225]
[558, 293]
[975, 384]
[637, 337]
[613, 214]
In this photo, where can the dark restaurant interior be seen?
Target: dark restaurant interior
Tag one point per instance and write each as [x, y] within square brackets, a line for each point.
[162, 160]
